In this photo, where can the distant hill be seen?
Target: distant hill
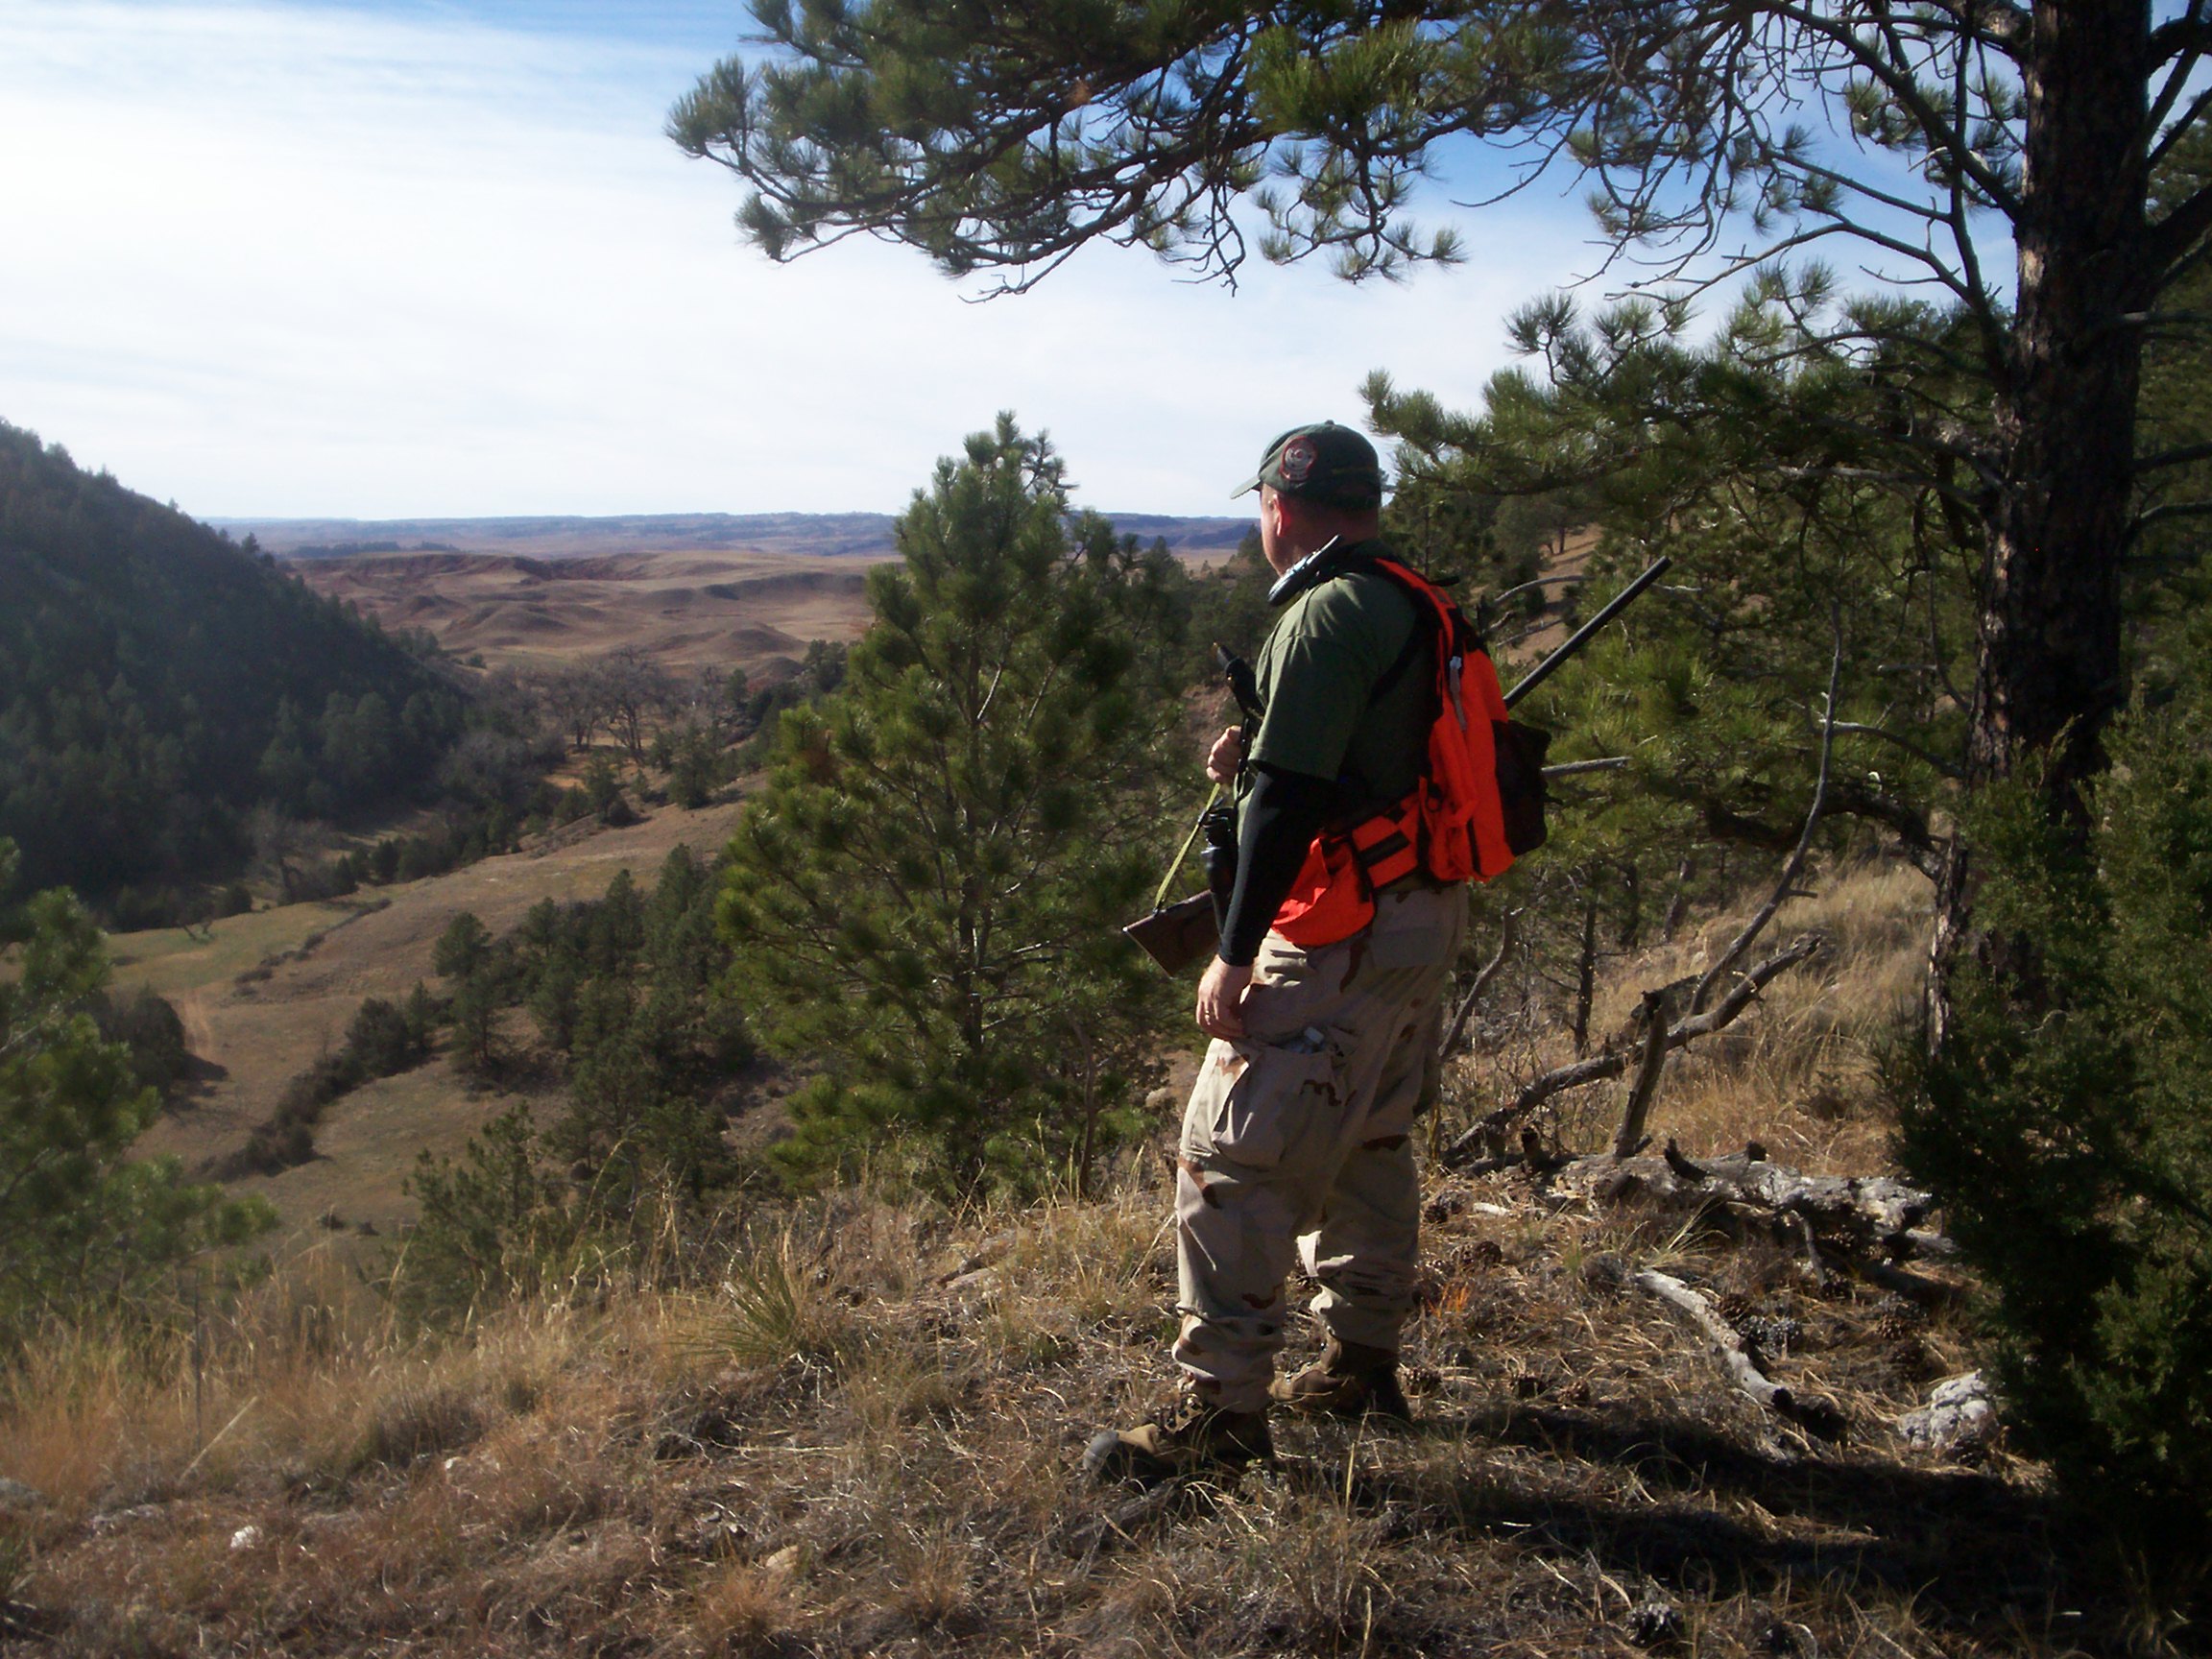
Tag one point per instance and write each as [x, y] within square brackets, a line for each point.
[156, 680]
[812, 533]
[689, 607]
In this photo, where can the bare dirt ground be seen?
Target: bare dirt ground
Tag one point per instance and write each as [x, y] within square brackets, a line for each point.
[262, 995]
[735, 610]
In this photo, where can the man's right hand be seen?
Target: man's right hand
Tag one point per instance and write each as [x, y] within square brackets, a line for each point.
[1226, 755]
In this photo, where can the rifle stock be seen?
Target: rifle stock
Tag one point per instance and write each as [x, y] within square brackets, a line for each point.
[1179, 934]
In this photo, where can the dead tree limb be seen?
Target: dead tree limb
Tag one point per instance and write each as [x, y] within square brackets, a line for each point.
[1814, 1265]
[1657, 1017]
[1786, 885]
[1821, 1416]
[1873, 1214]
[1924, 1241]
[1707, 1318]
[1482, 982]
[1486, 1129]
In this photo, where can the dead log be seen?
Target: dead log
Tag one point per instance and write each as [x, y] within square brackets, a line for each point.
[1915, 1288]
[1873, 1213]
[1819, 1416]
[1488, 1130]
[1925, 1241]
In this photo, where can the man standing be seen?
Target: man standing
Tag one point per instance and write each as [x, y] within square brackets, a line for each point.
[1324, 1000]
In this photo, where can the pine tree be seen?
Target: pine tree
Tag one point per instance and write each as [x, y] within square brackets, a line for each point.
[1718, 138]
[924, 899]
[85, 1231]
[2073, 1150]
[462, 949]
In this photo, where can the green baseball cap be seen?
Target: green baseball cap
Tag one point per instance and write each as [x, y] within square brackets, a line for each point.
[1325, 463]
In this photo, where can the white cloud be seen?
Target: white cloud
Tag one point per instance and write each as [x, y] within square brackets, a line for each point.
[287, 259]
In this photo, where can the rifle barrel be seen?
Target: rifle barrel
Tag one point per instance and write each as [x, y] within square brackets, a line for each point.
[1581, 636]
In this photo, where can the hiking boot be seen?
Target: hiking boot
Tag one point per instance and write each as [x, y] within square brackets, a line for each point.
[1196, 1439]
[1349, 1380]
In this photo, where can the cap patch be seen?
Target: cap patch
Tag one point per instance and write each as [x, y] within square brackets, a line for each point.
[1297, 461]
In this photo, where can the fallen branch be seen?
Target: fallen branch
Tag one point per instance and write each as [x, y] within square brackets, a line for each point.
[1924, 1241]
[1819, 1416]
[1874, 1213]
[1488, 1129]
[1914, 1287]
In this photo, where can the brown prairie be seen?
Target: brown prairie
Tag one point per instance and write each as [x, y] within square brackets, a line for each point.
[684, 609]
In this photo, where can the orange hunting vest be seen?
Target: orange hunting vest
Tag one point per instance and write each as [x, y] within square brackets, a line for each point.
[1454, 823]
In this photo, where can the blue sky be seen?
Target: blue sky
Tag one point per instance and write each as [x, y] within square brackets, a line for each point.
[437, 259]
[430, 258]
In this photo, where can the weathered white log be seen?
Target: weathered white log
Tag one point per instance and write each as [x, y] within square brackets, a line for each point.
[1741, 1368]
[1818, 1416]
[1960, 1414]
[1872, 1210]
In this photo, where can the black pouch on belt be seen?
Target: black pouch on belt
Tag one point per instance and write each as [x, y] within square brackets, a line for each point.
[1220, 858]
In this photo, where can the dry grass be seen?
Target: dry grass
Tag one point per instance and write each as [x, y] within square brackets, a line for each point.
[864, 1440]
[1797, 1072]
[895, 1472]
[260, 1034]
[686, 608]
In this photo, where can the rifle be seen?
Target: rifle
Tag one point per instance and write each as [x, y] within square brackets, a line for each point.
[1179, 934]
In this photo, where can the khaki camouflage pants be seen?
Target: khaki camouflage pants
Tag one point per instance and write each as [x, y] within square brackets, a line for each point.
[1298, 1144]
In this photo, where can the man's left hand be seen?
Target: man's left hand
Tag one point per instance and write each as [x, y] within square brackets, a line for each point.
[1221, 1000]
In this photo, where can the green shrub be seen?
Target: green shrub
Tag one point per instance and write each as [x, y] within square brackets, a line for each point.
[2065, 1127]
[492, 1226]
[150, 1027]
[86, 1232]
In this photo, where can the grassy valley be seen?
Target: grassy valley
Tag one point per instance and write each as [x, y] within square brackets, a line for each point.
[262, 995]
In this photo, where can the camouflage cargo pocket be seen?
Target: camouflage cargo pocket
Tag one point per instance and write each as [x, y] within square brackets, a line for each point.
[1257, 1103]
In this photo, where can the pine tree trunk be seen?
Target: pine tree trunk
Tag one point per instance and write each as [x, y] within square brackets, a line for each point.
[1585, 976]
[1678, 903]
[2047, 673]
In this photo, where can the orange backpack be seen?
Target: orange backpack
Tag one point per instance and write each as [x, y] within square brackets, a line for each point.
[1479, 801]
